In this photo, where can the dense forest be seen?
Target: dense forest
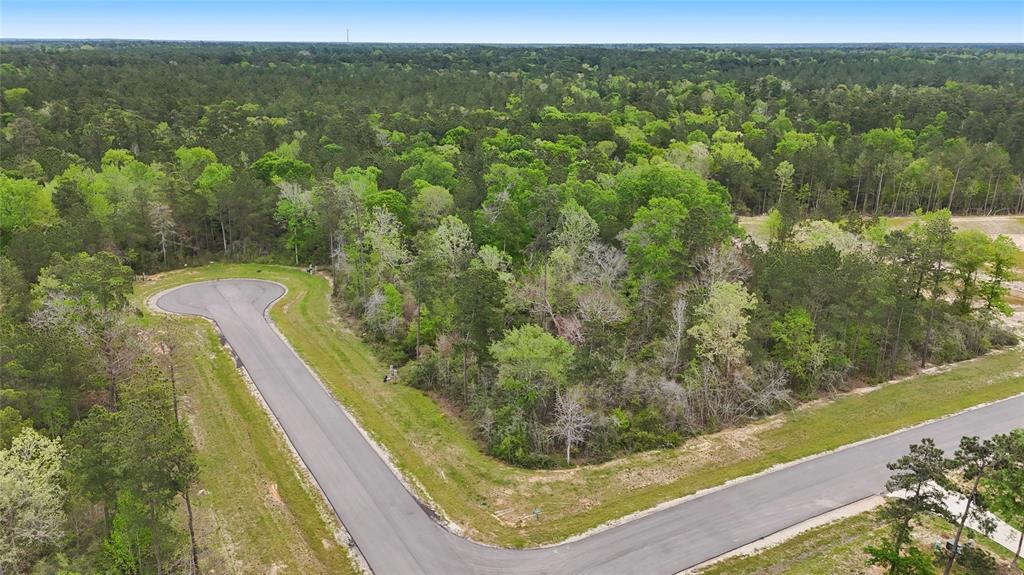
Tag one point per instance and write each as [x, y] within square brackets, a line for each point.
[545, 237]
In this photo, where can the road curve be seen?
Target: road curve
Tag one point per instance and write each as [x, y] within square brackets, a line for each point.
[397, 536]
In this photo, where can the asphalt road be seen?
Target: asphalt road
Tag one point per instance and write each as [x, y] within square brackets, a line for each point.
[397, 536]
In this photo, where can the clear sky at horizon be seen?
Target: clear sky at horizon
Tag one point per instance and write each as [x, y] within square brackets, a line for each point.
[528, 21]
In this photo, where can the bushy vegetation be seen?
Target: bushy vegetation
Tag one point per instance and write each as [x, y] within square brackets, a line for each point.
[98, 490]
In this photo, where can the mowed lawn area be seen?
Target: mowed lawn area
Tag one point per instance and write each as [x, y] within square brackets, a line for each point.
[491, 500]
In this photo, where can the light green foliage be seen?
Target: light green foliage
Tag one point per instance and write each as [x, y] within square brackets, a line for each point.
[428, 166]
[792, 143]
[122, 178]
[454, 136]
[130, 538]
[576, 229]
[877, 231]
[1002, 259]
[430, 205]
[272, 167]
[981, 268]
[16, 96]
[214, 177]
[529, 357]
[362, 181]
[289, 150]
[503, 143]
[805, 356]
[734, 165]
[721, 328]
[693, 156]
[94, 280]
[31, 499]
[885, 151]
[655, 242]
[532, 366]
[636, 185]
[812, 234]
[512, 193]
[383, 311]
[670, 231]
[561, 153]
[192, 161]
[773, 224]
[454, 244]
[77, 184]
[23, 202]
[784, 173]
[497, 261]
[391, 200]
[631, 133]
[888, 141]
[295, 211]
[385, 243]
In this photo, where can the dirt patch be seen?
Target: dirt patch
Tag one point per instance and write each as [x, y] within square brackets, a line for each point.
[274, 495]
[189, 415]
[1011, 226]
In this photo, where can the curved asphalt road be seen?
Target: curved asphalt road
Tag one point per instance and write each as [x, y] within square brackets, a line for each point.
[397, 536]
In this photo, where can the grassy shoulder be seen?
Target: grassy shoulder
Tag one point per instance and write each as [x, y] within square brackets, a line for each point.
[493, 501]
[838, 547]
[254, 513]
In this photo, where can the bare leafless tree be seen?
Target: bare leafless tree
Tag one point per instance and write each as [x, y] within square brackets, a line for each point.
[600, 305]
[720, 264]
[601, 265]
[162, 220]
[572, 421]
[765, 391]
[570, 328]
[712, 399]
[673, 344]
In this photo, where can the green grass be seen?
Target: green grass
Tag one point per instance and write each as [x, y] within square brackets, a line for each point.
[493, 500]
[834, 548]
[756, 227]
[838, 547]
[254, 513]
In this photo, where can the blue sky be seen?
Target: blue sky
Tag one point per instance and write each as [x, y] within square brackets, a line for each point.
[529, 21]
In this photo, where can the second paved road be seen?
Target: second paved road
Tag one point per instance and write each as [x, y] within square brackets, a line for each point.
[396, 535]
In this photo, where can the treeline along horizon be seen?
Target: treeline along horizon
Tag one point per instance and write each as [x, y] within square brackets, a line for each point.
[842, 116]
